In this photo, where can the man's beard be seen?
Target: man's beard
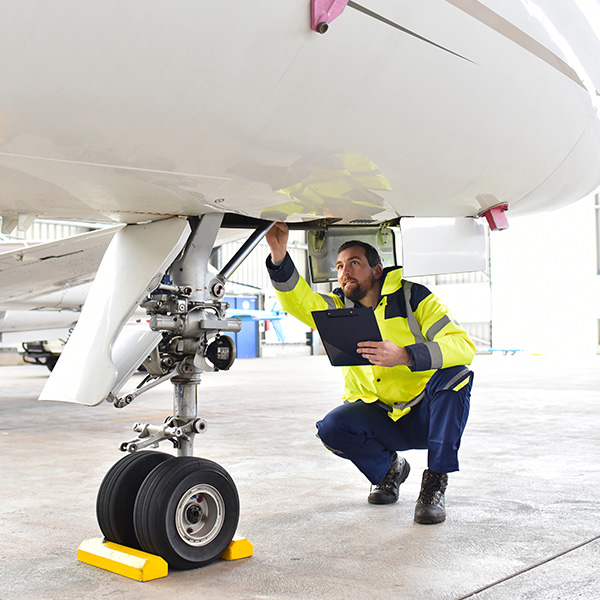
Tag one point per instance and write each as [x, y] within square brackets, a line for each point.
[357, 293]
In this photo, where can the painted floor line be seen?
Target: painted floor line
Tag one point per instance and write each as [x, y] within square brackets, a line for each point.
[526, 569]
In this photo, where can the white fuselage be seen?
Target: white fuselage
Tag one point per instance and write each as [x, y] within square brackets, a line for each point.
[134, 111]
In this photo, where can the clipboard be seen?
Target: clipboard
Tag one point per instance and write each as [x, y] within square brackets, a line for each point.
[341, 329]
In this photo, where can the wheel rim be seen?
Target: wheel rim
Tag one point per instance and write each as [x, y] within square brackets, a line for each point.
[200, 515]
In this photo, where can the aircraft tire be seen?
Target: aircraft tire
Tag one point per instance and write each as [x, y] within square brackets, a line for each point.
[118, 491]
[187, 511]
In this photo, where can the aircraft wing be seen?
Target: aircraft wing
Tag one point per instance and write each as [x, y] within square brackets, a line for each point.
[44, 269]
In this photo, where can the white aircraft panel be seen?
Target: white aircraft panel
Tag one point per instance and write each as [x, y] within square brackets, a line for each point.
[437, 246]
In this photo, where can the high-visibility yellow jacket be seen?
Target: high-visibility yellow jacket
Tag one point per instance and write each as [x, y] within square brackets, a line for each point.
[408, 314]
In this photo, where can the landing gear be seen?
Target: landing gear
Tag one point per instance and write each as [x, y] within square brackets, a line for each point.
[184, 509]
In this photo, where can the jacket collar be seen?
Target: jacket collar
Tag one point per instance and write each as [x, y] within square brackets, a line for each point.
[392, 280]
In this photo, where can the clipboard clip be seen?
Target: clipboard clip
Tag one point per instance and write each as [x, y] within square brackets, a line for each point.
[350, 312]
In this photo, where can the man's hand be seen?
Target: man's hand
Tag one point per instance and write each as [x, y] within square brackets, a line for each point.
[384, 354]
[277, 238]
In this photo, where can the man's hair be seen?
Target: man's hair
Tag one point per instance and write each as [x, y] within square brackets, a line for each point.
[371, 253]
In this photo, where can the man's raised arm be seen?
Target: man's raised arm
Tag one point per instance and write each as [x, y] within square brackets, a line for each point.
[277, 238]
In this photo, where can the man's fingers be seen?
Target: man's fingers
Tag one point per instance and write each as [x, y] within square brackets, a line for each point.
[372, 345]
[367, 349]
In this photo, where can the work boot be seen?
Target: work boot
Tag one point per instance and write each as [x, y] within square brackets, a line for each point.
[430, 506]
[386, 491]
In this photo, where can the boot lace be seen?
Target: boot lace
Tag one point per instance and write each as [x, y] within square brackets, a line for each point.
[434, 485]
[388, 483]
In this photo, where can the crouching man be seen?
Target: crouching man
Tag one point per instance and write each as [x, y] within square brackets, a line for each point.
[415, 393]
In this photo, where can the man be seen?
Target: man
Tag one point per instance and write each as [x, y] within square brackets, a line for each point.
[416, 391]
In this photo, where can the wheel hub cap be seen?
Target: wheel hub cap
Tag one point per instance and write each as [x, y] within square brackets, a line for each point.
[200, 515]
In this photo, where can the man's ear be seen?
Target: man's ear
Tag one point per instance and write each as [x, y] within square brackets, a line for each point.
[377, 271]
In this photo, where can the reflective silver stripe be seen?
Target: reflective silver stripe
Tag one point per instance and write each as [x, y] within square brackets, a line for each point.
[348, 303]
[413, 324]
[457, 378]
[435, 353]
[411, 403]
[400, 405]
[289, 285]
[330, 301]
[437, 327]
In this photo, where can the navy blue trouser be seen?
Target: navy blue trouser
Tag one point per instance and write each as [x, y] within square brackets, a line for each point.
[365, 434]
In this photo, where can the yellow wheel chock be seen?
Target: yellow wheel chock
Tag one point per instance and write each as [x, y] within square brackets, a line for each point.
[142, 566]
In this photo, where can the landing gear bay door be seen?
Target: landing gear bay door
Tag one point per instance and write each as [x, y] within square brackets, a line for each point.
[133, 265]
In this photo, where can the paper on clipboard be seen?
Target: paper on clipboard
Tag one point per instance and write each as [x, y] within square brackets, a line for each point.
[341, 329]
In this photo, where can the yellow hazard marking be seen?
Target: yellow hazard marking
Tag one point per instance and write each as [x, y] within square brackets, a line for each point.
[239, 548]
[462, 384]
[122, 560]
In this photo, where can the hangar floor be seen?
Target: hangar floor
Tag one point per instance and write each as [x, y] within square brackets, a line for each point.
[522, 513]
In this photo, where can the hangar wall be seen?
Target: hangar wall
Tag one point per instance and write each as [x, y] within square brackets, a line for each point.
[546, 282]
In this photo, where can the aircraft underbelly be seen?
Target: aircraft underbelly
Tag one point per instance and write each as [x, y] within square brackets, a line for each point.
[128, 112]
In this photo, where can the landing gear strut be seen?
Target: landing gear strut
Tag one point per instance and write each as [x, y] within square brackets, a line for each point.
[184, 509]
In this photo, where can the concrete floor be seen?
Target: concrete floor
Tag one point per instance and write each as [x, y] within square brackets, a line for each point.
[523, 519]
